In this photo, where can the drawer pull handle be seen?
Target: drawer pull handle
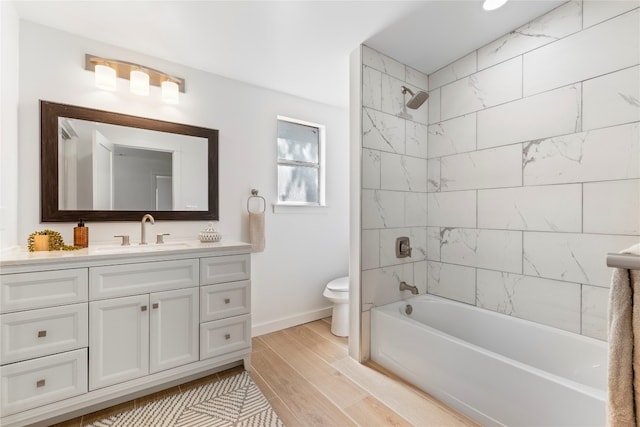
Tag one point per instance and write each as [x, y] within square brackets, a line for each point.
[42, 334]
[227, 336]
[40, 383]
[155, 305]
[227, 300]
[143, 308]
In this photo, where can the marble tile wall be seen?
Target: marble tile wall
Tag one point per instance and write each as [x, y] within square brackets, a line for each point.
[394, 180]
[533, 167]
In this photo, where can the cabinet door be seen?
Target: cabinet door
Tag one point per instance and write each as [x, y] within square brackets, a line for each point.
[174, 328]
[118, 340]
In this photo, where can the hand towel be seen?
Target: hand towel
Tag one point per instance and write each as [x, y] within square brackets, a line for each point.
[624, 346]
[256, 231]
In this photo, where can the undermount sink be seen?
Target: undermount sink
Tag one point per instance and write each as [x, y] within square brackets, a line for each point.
[138, 248]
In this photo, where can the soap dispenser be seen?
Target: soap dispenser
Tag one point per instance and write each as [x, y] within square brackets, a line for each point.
[81, 235]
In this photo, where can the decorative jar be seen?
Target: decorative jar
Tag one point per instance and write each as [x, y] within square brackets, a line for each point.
[210, 234]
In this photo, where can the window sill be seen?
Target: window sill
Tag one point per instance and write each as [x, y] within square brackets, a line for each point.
[282, 208]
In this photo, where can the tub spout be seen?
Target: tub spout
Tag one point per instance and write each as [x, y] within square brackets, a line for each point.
[404, 286]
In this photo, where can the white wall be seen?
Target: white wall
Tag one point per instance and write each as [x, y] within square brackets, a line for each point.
[9, 36]
[303, 251]
[534, 164]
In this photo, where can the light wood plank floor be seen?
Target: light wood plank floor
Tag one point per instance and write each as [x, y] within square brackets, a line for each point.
[308, 378]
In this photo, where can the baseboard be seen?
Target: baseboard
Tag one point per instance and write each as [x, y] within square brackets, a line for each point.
[289, 321]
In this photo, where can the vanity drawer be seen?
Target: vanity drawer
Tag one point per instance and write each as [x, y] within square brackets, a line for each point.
[133, 279]
[222, 269]
[25, 291]
[37, 382]
[35, 333]
[225, 336]
[225, 300]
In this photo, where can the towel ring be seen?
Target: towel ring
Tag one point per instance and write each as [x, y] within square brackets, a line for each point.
[254, 195]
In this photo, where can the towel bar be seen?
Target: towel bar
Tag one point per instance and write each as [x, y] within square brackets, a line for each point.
[628, 261]
[254, 195]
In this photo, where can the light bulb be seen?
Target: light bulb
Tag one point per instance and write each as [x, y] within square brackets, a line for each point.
[493, 4]
[139, 82]
[170, 92]
[105, 77]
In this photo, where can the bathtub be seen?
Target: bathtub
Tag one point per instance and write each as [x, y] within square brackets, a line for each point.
[494, 368]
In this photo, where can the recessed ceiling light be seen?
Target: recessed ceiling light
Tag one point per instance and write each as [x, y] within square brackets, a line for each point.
[493, 4]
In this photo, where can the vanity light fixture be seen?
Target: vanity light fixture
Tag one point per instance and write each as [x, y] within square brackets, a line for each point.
[493, 4]
[140, 77]
[105, 77]
[170, 91]
[139, 82]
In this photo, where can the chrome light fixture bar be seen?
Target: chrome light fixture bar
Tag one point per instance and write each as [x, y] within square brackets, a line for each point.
[140, 77]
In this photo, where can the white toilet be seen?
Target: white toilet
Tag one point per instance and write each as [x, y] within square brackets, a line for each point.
[337, 291]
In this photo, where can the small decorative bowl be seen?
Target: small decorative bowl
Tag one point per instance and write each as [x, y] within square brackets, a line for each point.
[209, 234]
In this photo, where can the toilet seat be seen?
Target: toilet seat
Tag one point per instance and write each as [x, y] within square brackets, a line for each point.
[339, 285]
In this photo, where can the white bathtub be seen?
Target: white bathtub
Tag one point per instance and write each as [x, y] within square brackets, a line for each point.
[496, 369]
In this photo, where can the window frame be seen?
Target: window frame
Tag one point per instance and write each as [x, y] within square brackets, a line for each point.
[321, 166]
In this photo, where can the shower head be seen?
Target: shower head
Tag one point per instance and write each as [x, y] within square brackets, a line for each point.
[417, 99]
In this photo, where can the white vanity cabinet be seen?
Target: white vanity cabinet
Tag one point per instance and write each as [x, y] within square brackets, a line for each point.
[83, 330]
[225, 299]
[43, 338]
[142, 333]
[131, 337]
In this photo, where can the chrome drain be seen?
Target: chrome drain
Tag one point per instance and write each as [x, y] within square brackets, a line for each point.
[408, 309]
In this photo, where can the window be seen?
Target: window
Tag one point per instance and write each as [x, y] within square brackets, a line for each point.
[300, 162]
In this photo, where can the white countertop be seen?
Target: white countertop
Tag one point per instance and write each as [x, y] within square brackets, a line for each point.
[21, 256]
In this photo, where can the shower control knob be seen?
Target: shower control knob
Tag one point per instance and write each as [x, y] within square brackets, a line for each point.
[403, 247]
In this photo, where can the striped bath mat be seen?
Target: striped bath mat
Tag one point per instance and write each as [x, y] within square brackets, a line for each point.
[232, 401]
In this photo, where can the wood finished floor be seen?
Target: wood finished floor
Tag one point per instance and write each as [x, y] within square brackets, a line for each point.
[308, 378]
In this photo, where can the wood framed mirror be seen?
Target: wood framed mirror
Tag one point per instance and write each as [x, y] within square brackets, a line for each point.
[105, 166]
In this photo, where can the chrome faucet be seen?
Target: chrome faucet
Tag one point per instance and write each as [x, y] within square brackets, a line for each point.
[404, 286]
[143, 234]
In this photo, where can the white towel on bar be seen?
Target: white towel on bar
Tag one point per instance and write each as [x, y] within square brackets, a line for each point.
[256, 231]
[623, 396]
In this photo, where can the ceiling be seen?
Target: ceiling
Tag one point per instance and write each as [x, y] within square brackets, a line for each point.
[297, 47]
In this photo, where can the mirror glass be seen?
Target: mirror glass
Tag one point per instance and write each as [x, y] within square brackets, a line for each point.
[109, 166]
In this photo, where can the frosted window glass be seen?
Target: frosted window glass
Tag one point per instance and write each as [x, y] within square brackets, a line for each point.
[298, 184]
[297, 142]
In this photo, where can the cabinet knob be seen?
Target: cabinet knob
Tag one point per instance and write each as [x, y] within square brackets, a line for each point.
[42, 334]
[227, 300]
[155, 305]
[227, 336]
[40, 383]
[143, 308]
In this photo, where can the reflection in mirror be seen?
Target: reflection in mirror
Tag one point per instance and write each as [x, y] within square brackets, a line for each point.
[106, 166]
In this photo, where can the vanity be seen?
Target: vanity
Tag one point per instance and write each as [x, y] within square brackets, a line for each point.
[83, 330]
